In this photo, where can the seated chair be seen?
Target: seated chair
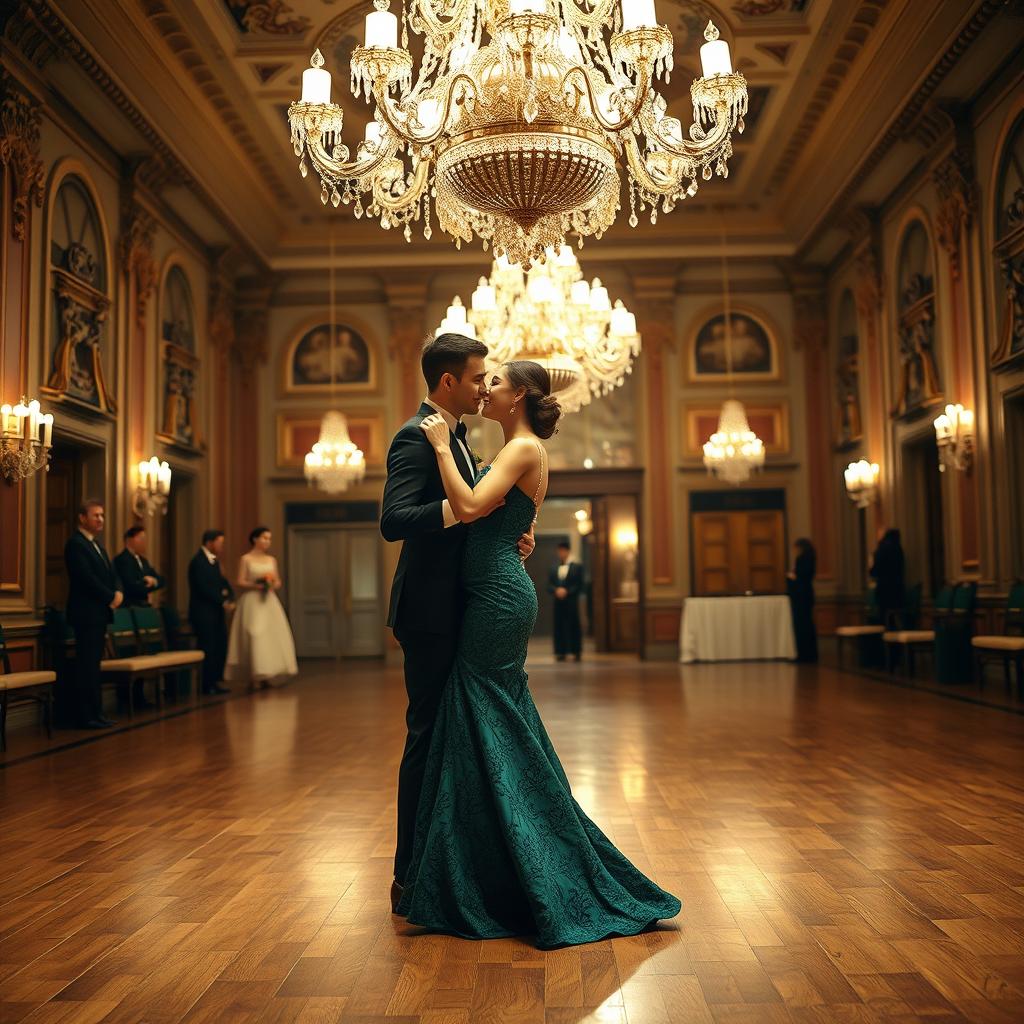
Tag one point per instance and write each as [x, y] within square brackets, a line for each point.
[127, 662]
[20, 687]
[953, 636]
[1005, 648]
[911, 640]
[866, 638]
[149, 627]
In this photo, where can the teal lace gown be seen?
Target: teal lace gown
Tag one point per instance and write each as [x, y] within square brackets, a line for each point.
[501, 846]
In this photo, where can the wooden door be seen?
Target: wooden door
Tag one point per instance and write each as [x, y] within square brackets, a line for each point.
[736, 552]
[63, 496]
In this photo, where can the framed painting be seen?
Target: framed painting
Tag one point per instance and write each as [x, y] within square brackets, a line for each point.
[748, 351]
[323, 358]
[298, 431]
[769, 420]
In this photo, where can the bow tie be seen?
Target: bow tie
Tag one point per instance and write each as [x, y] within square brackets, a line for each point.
[461, 431]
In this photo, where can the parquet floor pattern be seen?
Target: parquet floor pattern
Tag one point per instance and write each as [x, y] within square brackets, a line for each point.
[845, 851]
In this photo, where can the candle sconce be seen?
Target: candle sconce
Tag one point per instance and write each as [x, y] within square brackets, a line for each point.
[26, 438]
[954, 434]
[862, 482]
[152, 489]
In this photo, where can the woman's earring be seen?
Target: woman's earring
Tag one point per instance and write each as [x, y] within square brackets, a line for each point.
[512, 411]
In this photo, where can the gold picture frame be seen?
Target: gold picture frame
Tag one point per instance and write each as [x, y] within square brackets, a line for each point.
[756, 355]
[768, 419]
[310, 358]
[297, 431]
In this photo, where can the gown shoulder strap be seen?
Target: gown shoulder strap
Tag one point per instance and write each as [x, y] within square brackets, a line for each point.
[540, 474]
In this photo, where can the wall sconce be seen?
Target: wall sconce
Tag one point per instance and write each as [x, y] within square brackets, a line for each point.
[26, 437]
[584, 524]
[862, 482]
[153, 488]
[954, 434]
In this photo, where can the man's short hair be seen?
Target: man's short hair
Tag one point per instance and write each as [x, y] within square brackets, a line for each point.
[448, 353]
[209, 536]
[564, 544]
[133, 531]
[89, 504]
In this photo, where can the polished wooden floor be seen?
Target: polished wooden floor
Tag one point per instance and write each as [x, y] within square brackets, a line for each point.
[845, 851]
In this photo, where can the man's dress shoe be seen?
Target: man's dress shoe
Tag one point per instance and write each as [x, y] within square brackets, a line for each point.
[396, 896]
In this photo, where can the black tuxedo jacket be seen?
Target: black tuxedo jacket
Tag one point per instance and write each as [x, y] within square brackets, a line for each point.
[573, 581]
[92, 582]
[426, 592]
[136, 592]
[208, 589]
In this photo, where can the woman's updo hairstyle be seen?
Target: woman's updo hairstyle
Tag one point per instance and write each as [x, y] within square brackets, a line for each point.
[257, 533]
[542, 408]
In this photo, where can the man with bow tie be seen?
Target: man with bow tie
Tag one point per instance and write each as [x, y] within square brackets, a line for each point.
[94, 592]
[210, 598]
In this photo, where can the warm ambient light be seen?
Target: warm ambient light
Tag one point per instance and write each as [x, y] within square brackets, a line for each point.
[734, 451]
[862, 482]
[334, 461]
[26, 437]
[954, 435]
[626, 538]
[520, 121]
[153, 488]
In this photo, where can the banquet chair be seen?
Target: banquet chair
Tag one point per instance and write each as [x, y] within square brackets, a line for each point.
[1007, 648]
[908, 641]
[20, 687]
[866, 638]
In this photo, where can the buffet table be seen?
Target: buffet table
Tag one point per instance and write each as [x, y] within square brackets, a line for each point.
[736, 629]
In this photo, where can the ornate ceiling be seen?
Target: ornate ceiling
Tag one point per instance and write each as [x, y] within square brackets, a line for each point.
[827, 79]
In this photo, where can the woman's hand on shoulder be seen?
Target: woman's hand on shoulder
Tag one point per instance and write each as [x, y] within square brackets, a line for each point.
[436, 430]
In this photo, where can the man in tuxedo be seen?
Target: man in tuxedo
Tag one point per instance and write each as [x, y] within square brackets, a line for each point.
[565, 583]
[210, 597]
[94, 592]
[426, 606]
[139, 580]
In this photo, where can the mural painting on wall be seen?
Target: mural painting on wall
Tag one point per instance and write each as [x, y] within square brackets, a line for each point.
[81, 312]
[273, 17]
[848, 391]
[919, 387]
[747, 350]
[180, 424]
[762, 8]
[324, 358]
[1009, 251]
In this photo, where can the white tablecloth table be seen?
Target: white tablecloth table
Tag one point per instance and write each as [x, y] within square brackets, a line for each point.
[736, 629]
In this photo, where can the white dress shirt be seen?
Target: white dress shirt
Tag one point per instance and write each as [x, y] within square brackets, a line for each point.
[458, 448]
[563, 571]
[210, 556]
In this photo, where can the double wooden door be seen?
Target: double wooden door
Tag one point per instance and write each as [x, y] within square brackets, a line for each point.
[335, 595]
[737, 552]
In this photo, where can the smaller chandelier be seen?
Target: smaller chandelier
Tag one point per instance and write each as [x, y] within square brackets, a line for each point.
[554, 316]
[734, 451]
[862, 482]
[153, 488]
[335, 461]
[954, 434]
[26, 437]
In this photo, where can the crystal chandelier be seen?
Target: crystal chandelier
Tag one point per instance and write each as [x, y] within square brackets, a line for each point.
[26, 437]
[335, 461]
[552, 315]
[521, 114]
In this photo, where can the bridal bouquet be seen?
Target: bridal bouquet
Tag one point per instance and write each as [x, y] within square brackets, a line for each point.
[266, 584]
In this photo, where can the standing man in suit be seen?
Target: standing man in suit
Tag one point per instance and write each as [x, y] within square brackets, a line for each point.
[565, 583]
[426, 607]
[139, 580]
[210, 598]
[94, 592]
[139, 577]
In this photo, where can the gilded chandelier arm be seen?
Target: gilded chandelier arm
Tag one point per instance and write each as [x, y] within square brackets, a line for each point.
[424, 11]
[642, 85]
[339, 170]
[646, 181]
[599, 17]
[699, 151]
[396, 204]
[389, 112]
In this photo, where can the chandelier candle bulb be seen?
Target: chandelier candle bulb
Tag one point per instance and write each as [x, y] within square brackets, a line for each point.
[428, 113]
[715, 58]
[599, 301]
[581, 293]
[372, 134]
[638, 14]
[48, 430]
[381, 30]
[316, 81]
[484, 298]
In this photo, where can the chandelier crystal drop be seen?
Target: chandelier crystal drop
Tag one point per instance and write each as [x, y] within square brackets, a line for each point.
[734, 450]
[335, 461]
[518, 120]
[554, 316]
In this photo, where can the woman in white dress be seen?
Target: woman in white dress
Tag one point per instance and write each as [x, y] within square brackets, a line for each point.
[261, 647]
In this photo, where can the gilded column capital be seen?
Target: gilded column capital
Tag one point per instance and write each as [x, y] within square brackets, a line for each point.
[250, 345]
[20, 121]
[954, 180]
[220, 325]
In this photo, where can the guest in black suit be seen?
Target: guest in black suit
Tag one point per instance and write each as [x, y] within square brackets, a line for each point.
[210, 597]
[426, 607]
[565, 582]
[94, 592]
[139, 580]
[800, 585]
[139, 577]
[887, 570]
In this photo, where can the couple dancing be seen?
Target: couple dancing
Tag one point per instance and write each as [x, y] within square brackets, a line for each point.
[490, 840]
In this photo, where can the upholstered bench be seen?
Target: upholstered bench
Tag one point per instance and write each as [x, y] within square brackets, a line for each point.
[25, 686]
[910, 640]
[1004, 648]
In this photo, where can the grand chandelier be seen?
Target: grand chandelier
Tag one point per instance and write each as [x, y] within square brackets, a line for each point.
[554, 316]
[734, 450]
[521, 115]
[335, 461]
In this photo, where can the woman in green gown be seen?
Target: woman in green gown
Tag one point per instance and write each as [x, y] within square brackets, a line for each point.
[501, 846]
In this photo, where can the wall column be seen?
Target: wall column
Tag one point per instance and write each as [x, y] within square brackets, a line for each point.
[407, 307]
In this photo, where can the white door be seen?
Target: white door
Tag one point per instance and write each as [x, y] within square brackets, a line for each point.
[334, 592]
